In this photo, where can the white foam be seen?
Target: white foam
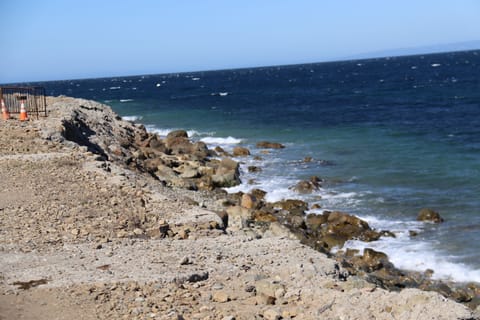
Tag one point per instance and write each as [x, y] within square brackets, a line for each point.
[114, 88]
[221, 141]
[418, 255]
[195, 79]
[158, 85]
[435, 65]
[132, 118]
[163, 132]
[126, 100]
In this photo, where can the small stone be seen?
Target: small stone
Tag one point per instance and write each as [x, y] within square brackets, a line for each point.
[183, 233]
[272, 314]
[185, 260]
[220, 296]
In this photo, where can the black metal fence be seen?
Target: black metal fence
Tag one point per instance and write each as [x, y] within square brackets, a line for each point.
[32, 97]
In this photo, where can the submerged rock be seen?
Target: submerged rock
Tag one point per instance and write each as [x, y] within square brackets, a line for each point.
[270, 145]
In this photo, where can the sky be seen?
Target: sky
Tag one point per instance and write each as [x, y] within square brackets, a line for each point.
[73, 39]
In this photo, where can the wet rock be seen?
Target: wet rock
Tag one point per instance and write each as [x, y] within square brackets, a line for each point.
[350, 227]
[269, 145]
[253, 169]
[292, 205]
[429, 215]
[240, 152]
[308, 186]
[374, 260]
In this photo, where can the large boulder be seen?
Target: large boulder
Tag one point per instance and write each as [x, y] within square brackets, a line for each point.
[429, 215]
[350, 227]
[227, 173]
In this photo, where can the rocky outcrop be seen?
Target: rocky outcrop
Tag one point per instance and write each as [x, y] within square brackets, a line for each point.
[95, 213]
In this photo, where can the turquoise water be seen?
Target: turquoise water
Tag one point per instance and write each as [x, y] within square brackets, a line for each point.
[388, 136]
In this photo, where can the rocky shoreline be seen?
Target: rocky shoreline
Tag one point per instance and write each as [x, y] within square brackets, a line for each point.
[100, 215]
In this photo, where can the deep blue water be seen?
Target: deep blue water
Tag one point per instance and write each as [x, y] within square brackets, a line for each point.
[389, 136]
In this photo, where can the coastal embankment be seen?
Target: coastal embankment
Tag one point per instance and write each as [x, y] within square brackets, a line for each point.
[101, 219]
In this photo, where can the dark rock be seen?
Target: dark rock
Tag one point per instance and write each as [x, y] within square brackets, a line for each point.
[374, 260]
[315, 221]
[292, 205]
[429, 215]
[264, 216]
[259, 194]
[270, 145]
[254, 169]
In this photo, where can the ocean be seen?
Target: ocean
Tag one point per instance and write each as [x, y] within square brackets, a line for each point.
[387, 136]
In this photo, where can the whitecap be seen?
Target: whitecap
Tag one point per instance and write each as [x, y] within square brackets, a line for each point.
[126, 100]
[434, 65]
[220, 140]
[158, 85]
[195, 79]
[132, 118]
[114, 88]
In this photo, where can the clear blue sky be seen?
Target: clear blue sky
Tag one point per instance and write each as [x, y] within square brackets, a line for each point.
[68, 39]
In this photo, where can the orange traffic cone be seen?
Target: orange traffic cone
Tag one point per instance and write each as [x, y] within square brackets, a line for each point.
[23, 112]
[5, 113]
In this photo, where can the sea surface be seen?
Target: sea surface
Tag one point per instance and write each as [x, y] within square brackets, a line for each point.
[388, 136]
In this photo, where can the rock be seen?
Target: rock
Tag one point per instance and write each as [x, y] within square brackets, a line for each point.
[240, 152]
[270, 288]
[227, 174]
[429, 215]
[248, 201]
[194, 277]
[264, 216]
[272, 314]
[258, 194]
[308, 186]
[179, 145]
[315, 221]
[292, 205]
[374, 260]
[177, 134]
[253, 169]
[270, 145]
[220, 296]
[238, 217]
[350, 227]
